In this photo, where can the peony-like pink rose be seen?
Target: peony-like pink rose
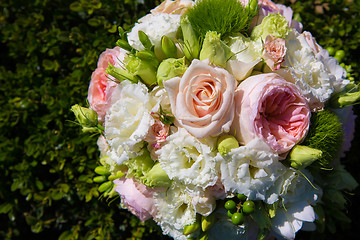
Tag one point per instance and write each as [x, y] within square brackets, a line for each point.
[99, 92]
[274, 52]
[270, 108]
[202, 100]
[137, 197]
[114, 56]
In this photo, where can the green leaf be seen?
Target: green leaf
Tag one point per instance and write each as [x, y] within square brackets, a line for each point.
[76, 7]
[5, 207]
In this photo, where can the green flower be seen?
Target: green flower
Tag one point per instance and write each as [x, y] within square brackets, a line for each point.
[191, 40]
[303, 156]
[215, 49]
[156, 177]
[273, 24]
[87, 118]
[170, 68]
[225, 143]
[142, 68]
[346, 99]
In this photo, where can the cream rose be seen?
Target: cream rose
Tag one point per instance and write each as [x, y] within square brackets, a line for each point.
[270, 108]
[202, 100]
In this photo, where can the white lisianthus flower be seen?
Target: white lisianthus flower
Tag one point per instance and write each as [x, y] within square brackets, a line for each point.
[155, 26]
[247, 54]
[177, 207]
[308, 73]
[295, 210]
[128, 120]
[251, 170]
[105, 158]
[189, 160]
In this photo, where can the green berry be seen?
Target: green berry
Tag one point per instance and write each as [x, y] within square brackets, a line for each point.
[237, 218]
[241, 197]
[339, 55]
[248, 207]
[331, 51]
[230, 205]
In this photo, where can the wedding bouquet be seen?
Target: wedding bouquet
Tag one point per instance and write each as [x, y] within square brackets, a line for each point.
[222, 119]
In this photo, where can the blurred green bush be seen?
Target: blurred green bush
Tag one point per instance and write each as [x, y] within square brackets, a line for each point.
[48, 51]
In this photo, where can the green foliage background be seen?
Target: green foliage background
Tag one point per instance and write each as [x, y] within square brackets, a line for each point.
[48, 51]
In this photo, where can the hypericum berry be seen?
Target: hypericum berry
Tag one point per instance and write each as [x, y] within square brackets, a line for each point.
[339, 55]
[237, 218]
[230, 205]
[248, 207]
[331, 51]
[241, 197]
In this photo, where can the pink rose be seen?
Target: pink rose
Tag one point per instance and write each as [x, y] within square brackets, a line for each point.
[101, 84]
[99, 92]
[202, 100]
[274, 52]
[157, 133]
[113, 56]
[137, 197]
[270, 108]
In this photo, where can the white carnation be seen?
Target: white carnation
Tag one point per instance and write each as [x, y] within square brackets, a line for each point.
[188, 160]
[336, 72]
[295, 210]
[251, 170]
[128, 120]
[155, 27]
[308, 73]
